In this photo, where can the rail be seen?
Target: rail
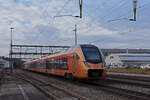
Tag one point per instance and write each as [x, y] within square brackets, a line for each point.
[145, 79]
[134, 95]
[45, 88]
[111, 80]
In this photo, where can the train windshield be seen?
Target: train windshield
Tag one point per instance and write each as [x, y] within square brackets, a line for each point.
[92, 54]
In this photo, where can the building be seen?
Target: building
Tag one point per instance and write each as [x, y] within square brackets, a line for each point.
[127, 60]
[4, 63]
[107, 52]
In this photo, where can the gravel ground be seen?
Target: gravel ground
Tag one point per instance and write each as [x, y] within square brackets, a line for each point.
[89, 92]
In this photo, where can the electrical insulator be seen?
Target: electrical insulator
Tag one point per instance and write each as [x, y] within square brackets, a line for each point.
[80, 5]
[134, 9]
[134, 3]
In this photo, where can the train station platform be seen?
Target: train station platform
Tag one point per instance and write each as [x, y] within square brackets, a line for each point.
[12, 88]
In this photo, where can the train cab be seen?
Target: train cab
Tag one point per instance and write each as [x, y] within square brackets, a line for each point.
[89, 62]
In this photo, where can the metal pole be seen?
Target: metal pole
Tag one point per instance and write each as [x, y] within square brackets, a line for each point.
[11, 63]
[75, 30]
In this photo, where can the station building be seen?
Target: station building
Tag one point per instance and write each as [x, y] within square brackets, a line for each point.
[126, 60]
[4, 63]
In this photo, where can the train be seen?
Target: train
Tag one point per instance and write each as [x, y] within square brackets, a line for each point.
[84, 61]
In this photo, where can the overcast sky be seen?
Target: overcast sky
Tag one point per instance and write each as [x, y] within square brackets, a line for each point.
[34, 23]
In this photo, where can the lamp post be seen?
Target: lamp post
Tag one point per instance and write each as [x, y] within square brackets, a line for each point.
[11, 64]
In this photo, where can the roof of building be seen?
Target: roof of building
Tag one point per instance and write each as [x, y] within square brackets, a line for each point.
[134, 57]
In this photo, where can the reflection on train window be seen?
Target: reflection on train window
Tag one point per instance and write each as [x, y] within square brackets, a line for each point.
[92, 54]
[50, 64]
[33, 65]
[57, 64]
[42, 64]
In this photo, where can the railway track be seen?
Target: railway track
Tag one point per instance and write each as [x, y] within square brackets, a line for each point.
[51, 90]
[133, 95]
[103, 86]
[128, 82]
[145, 79]
[2, 73]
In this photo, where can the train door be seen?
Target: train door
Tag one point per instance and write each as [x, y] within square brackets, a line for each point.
[75, 63]
[46, 63]
[48, 66]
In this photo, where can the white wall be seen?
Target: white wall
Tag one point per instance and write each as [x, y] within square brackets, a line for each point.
[113, 60]
[5, 63]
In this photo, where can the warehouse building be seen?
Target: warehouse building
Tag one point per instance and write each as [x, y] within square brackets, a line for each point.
[128, 60]
[4, 63]
[107, 52]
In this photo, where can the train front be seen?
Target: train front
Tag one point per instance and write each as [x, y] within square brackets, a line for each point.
[93, 64]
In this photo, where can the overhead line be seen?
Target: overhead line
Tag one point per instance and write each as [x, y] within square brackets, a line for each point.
[116, 7]
[63, 7]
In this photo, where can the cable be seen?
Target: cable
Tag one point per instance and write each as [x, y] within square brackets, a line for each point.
[63, 7]
[132, 31]
[104, 16]
[89, 14]
[66, 3]
[127, 18]
[114, 7]
[141, 6]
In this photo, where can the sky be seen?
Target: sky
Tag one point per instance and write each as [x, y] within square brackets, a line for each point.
[34, 22]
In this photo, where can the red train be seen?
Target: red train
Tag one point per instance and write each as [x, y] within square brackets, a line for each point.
[80, 61]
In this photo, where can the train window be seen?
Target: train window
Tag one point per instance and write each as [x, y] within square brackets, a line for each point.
[38, 65]
[29, 65]
[42, 65]
[26, 65]
[32, 66]
[49, 64]
[35, 64]
[61, 62]
[64, 64]
[57, 64]
[92, 54]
